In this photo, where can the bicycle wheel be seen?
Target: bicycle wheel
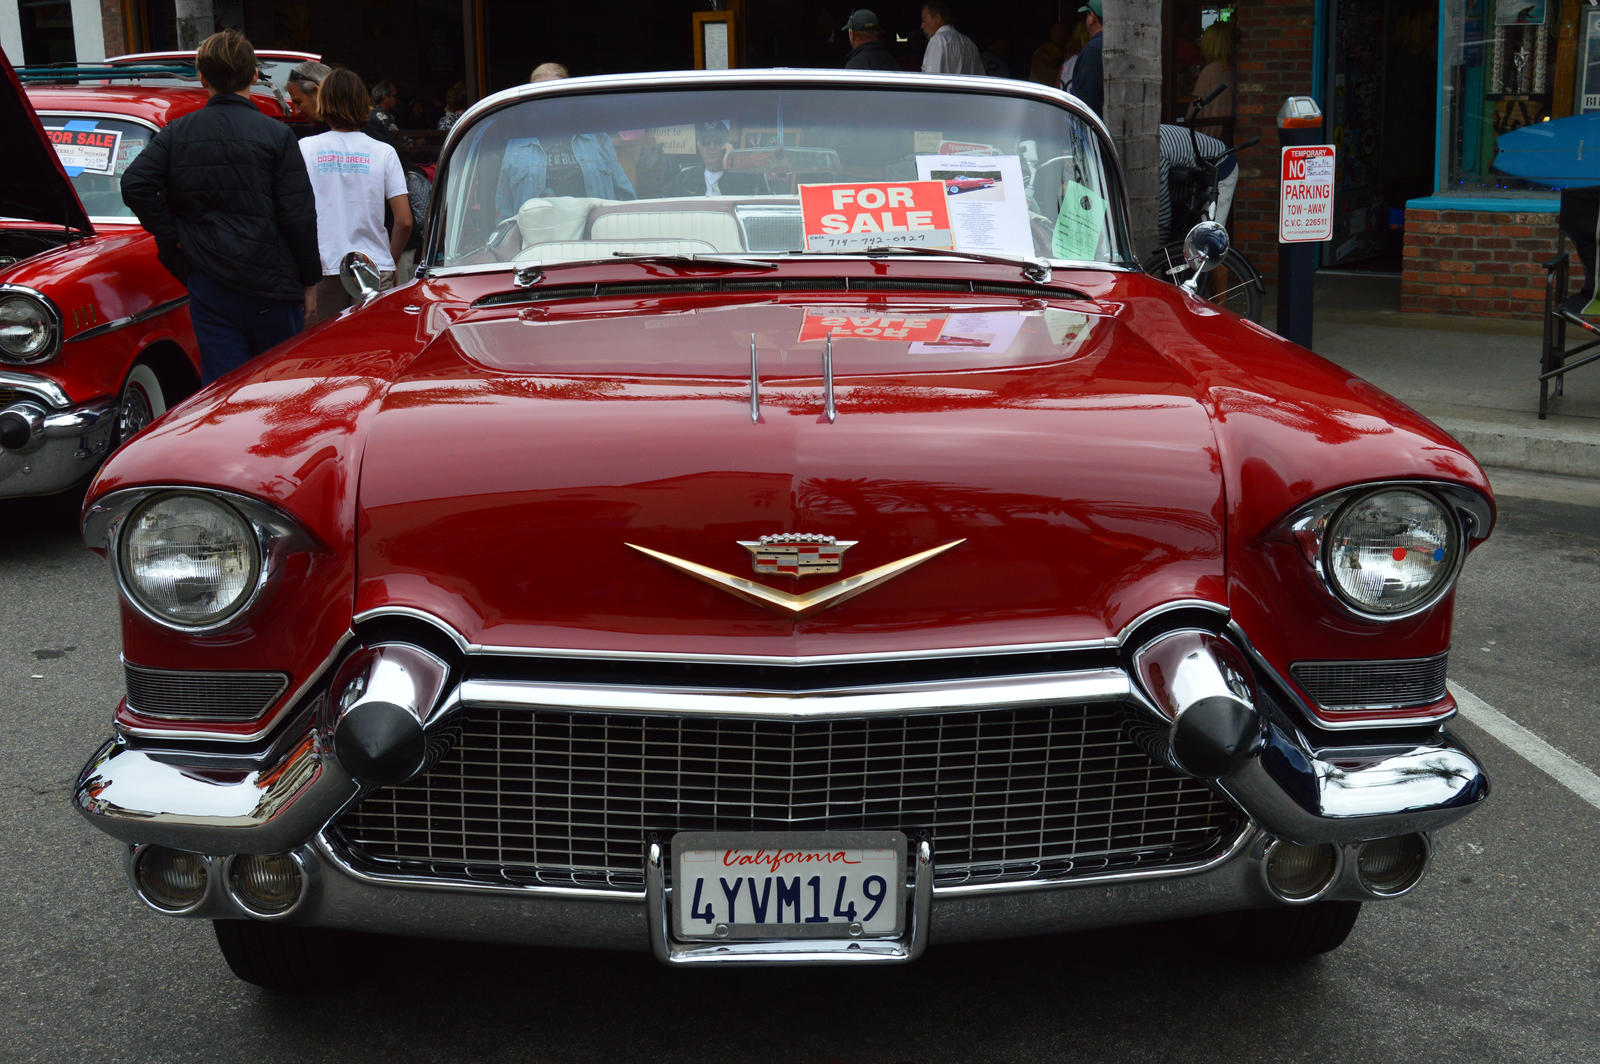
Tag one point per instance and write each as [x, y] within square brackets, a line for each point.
[1234, 283]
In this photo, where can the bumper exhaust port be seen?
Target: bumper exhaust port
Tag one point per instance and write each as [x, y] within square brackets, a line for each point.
[1298, 874]
[169, 881]
[1390, 867]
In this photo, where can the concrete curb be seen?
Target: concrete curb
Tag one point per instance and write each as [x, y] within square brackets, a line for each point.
[1530, 445]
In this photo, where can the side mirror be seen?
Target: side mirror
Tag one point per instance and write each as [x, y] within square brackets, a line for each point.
[1203, 248]
[359, 275]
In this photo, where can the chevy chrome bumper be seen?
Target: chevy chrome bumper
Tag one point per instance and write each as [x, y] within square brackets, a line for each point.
[48, 450]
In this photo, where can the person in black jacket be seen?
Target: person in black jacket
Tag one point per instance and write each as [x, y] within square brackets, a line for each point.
[867, 50]
[224, 192]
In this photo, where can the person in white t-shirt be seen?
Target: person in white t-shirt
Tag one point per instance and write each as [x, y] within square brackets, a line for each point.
[353, 176]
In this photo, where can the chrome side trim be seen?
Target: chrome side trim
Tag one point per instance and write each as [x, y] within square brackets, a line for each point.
[133, 319]
[828, 410]
[911, 699]
[755, 383]
[1122, 637]
[47, 390]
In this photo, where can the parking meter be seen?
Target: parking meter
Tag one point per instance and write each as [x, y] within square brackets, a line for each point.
[1299, 125]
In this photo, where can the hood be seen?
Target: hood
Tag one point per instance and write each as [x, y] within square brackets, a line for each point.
[1066, 470]
[34, 185]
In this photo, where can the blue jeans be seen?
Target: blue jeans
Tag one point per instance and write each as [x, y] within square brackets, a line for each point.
[232, 327]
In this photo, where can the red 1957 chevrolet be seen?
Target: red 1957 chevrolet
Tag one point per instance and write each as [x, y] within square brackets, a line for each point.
[691, 574]
[95, 340]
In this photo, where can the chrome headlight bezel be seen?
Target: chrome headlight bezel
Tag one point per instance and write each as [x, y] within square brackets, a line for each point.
[49, 317]
[271, 535]
[1315, 525]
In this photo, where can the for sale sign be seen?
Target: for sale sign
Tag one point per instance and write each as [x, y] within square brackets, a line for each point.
[91, 151]
[851, 217]
[1305, 196]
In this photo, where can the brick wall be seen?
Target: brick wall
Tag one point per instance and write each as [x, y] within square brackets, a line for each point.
[1475, 262]
[1274, 63]
[111, 25]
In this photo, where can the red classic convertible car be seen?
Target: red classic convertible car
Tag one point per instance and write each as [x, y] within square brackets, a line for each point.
[95, 340]
[810, 576]
[956, 185]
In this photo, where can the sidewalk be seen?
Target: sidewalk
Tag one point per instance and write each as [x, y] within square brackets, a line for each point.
[1476, 377]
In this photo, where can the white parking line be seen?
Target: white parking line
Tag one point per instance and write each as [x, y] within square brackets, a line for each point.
[1561, 768]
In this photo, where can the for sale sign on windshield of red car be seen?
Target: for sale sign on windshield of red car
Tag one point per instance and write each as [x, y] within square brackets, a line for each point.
[852, 217]
[1305, 197]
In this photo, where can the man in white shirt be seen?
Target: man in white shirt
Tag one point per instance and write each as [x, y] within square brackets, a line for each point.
[949, 51]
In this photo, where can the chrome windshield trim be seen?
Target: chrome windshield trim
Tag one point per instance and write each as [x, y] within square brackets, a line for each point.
[910, 699]
[47, 390]
[133, 319]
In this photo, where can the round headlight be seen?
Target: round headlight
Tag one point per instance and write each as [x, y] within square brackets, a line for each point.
[189, 560]
[27, 329]
[1392, 552]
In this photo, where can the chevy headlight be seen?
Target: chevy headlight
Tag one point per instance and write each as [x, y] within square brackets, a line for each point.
[1392, 551]
[189, 560]
[28, 328]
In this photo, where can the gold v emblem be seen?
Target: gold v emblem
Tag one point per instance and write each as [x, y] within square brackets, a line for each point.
[796, 605]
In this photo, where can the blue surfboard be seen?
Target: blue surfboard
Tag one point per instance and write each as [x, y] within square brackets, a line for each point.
[1564, 153]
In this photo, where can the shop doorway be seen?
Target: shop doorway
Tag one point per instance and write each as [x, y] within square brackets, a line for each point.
[1382, 64]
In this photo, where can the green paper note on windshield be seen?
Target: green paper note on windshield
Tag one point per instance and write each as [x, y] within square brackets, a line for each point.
[1080, 225]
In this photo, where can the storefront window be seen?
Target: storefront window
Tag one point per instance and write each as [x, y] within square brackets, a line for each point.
[1499, 74]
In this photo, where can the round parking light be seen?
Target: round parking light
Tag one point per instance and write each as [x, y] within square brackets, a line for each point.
[266, 886]
[1389, 867]
[170, 880]
[1298, 873]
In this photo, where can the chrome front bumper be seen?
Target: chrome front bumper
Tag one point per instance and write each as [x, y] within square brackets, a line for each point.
[147, 798]
[62, 445]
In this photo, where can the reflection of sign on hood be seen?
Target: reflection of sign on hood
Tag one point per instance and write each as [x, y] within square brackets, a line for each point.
[850, 217]
[858, 324]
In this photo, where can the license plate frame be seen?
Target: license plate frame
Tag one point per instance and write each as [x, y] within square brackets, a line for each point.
[760, 859]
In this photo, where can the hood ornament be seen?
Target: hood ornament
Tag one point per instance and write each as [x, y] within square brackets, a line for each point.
[785, 602]
[797, 553]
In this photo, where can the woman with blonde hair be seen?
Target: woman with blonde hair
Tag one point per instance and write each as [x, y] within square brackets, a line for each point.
[353, 176]
[1216, 45]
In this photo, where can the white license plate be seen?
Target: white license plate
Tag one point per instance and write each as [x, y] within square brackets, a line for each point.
[788, 885]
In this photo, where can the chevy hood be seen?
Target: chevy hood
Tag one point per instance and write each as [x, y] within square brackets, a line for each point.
[33, 184]
[520, 463]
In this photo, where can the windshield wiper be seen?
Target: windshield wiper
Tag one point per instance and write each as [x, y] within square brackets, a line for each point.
[695, 258]
[531, 273]
[1034, 269]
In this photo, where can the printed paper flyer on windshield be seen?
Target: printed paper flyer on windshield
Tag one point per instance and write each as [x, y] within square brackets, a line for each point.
[987, 202]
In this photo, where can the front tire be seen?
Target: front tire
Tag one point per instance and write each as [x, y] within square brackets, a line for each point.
[286, 957]
[1291, 933]
[141, 402]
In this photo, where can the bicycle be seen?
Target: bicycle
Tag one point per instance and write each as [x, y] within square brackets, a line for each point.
[1233, 283]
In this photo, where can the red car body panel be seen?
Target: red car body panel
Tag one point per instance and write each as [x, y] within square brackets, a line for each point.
[521, 546]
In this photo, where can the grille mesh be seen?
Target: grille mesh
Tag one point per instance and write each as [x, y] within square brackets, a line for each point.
[567, 799]
[1362, 684]
[182, 694]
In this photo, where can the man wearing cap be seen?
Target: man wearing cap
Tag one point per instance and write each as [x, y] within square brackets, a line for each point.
[867, 51]
[711, 177]
[949, 51]
[1088, 77]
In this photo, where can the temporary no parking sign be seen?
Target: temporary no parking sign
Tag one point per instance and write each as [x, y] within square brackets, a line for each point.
[1305, 195]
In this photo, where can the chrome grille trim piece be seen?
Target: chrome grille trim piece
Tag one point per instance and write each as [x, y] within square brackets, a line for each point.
[34, 386]
[1392, 684]
[201, 695]
[911, 699]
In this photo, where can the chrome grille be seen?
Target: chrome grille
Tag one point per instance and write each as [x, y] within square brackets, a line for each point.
[568, 799]
[772, 228]
[183, 694]
[1372, 684]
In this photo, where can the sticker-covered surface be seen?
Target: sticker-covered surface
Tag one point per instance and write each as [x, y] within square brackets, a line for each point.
[84, 147]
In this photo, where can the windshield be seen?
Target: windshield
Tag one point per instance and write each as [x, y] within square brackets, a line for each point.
[96, 151]
[772, 170]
